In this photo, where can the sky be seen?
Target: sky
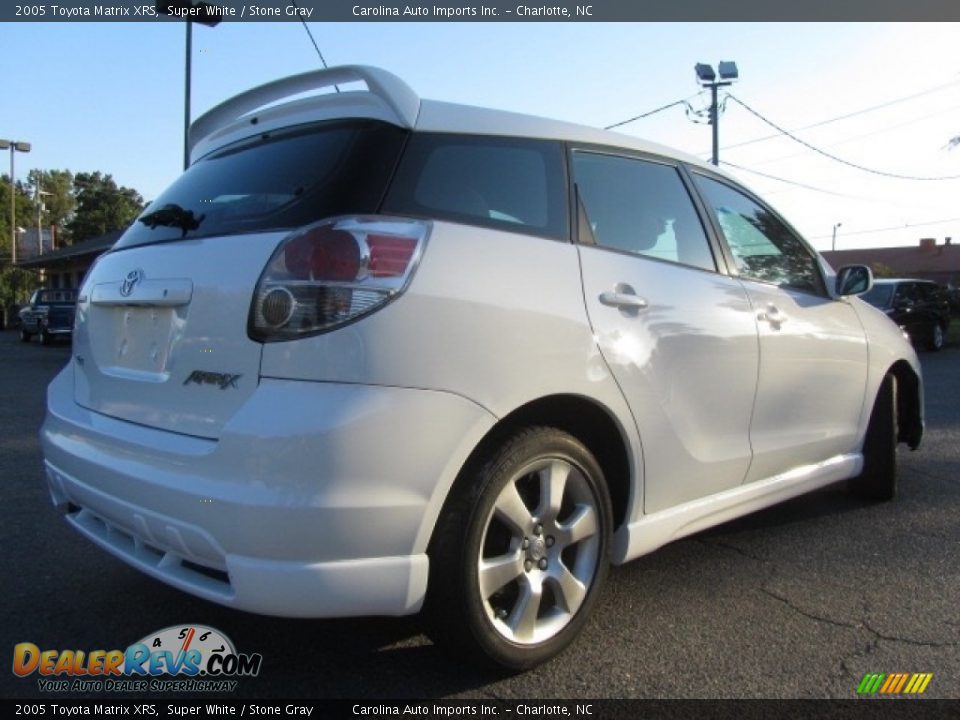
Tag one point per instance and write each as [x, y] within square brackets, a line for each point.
[109, 97]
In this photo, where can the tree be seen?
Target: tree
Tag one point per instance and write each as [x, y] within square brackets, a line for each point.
[15, 284]
[24, 210]
[101, 206]
[882, 270]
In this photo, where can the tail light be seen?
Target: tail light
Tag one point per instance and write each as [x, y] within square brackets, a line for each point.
[332, 273]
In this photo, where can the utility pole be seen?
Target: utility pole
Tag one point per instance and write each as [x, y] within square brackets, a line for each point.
[38, 198]
[708, 79]
[15, 146]
[833, 242]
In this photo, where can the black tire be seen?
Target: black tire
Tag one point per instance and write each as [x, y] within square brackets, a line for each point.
[938, 338]
[25, 336]
[559, 548]
[45, 337]
[878, 481]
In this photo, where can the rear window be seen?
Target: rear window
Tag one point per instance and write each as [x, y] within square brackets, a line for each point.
[510, 184]
[879, 295]
[56, 296]
[278, 180]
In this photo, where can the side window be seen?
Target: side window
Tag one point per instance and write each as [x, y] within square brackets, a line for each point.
[640, 207]
[507, 183]
[762, 246]
[904, 295]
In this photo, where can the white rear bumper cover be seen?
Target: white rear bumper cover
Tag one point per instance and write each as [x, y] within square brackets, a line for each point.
[318, 499]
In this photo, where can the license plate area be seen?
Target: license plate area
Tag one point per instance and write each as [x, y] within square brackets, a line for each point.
[141, 340]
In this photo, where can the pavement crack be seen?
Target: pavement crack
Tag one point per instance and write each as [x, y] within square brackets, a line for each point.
[734, 548]
[818, 618]
[908, 641]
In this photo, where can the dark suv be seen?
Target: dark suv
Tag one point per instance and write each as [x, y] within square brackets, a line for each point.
[50, 313]
[919, 307]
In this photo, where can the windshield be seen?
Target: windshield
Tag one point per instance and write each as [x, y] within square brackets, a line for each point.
[278, 180]
[56, 296]
[879, 296]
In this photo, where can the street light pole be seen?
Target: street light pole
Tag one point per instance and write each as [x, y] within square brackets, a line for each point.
[15, 147]
[192, 11]
[708, 79]
[714, 121]
[187, 67]
[833, 241]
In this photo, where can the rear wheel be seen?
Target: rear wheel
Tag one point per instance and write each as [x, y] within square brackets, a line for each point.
[878, 481]
[520, 552]
[938, 337]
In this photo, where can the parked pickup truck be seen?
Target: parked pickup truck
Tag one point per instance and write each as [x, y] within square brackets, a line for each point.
[49, 313]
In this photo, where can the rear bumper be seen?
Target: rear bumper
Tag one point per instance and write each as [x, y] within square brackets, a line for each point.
[318, 499]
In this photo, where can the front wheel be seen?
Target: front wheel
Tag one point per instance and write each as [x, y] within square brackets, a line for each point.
[25, 336]
[521, 551]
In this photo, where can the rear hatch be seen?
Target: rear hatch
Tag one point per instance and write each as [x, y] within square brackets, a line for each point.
[162, 321]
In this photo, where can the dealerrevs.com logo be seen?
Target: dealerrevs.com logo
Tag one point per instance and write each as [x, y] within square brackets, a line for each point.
[181, 658]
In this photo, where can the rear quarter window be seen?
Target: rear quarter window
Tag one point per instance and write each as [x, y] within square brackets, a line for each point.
[511, 184]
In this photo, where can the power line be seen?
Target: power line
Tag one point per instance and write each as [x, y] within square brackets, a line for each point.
[804, 186]
[905, 226]
[938, 88]
[652, 112]
[316, 47]
[832, 156]
[868, 134]
[790, 182]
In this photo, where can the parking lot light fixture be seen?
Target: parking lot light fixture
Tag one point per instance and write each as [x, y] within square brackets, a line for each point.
[707, 78]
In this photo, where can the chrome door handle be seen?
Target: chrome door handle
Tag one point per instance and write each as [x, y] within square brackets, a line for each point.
[623, 300]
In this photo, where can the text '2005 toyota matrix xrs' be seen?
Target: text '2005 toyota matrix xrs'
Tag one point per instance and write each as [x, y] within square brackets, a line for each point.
[372, 355]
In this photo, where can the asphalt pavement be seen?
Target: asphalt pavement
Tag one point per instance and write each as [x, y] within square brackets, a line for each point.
[799, 601]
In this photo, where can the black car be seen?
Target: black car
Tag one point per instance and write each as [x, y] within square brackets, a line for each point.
[920, 307]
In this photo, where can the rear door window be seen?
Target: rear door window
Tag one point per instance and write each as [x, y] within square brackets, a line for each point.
[510, 184]
[640, 207]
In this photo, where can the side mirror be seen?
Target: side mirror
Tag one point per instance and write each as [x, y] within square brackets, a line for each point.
[854, 280]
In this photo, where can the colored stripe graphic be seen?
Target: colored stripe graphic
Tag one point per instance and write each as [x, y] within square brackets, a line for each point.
[870, 683]
[894, 683]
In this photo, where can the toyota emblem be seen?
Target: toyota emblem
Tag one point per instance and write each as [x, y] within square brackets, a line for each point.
[130, 282]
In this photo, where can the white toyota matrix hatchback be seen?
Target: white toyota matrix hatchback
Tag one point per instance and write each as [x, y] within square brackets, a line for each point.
[372, 354]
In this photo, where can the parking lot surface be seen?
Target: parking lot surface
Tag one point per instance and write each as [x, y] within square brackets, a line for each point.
[799, 601]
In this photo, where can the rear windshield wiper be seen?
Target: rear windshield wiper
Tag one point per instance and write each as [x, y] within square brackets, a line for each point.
[172, 215]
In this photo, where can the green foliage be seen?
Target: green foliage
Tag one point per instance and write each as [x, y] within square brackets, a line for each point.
[882, 270]
[24, 211]
[15, 286]
[101, 206]
[81, 206]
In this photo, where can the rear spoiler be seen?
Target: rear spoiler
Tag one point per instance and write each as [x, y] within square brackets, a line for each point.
[396, 94]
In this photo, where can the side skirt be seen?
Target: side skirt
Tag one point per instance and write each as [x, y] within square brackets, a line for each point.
[657, 529]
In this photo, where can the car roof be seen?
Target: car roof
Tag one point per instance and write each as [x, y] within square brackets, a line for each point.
[282, 103]
[436, 116]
